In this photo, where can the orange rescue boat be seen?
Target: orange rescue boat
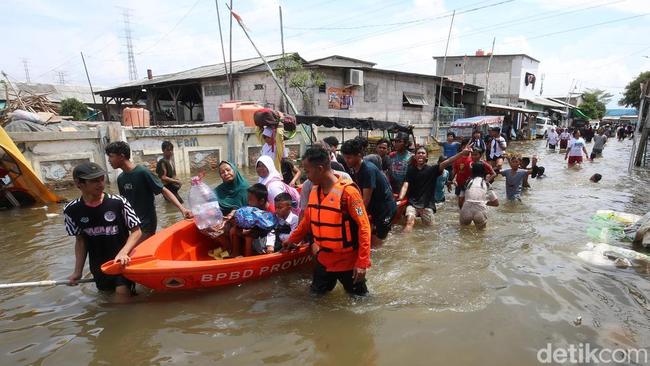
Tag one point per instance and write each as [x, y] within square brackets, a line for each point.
[176, 258]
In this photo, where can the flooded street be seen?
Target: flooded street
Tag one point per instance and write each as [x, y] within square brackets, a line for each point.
[442, 295]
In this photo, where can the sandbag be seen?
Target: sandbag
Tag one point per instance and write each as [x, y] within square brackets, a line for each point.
[21, 115]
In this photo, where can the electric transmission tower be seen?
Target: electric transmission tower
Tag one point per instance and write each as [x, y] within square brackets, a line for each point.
[26, 65]
[133, 71]
[61, 77]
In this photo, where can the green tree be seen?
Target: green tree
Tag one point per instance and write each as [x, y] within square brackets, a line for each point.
[300, 78]
[75, 108]
[594, 103]
[633, 91]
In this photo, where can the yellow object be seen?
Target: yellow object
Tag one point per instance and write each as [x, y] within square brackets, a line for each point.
[21, 173]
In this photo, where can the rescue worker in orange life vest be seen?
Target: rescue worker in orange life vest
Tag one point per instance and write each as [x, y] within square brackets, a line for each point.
[337, 219]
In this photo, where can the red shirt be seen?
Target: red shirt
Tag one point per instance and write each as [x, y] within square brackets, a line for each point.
[463, 169]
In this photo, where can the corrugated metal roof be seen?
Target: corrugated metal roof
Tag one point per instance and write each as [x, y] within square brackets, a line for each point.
[56, 93]
[202, 72]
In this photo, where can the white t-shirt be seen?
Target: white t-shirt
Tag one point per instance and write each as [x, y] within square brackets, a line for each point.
[552, 138]
[478, 191]
[565, 136]
[576, 146]
[292, 220]
[268, 151]
[497, 146]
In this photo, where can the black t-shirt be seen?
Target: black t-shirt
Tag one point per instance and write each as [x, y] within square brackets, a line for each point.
[287, 170]
[139, 187]
[422, 183]
[171, 172]
[381, 201]
[105, 228]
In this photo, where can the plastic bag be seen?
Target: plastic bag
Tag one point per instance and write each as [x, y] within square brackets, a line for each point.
[253, 217]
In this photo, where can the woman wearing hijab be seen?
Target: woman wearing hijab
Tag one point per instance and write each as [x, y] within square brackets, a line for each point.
[232, 192]
[272, 179]
[269, 176]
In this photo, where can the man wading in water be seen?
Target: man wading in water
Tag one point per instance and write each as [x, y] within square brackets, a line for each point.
[337, 220]
[105, 228]
[166, 171]
[139, 186]
[419, 187]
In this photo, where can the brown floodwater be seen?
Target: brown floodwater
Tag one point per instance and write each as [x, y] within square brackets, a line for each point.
[442, 295]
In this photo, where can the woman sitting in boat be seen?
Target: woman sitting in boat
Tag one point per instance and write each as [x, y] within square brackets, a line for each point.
[231, 194]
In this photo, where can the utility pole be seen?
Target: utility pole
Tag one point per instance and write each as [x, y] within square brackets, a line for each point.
[444, 66]
[487, 77]
[88, 77]
[284, 61]
[232, 83]
[223, 51]
[133, 71]
[26, 66]
[541, 87]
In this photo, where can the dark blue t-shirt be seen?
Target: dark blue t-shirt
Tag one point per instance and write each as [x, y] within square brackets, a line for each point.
[450, 148]
[382, 202]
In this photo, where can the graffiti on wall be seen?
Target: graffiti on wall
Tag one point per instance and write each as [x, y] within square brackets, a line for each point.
[204, 160]
[58, 174]
[340, 98]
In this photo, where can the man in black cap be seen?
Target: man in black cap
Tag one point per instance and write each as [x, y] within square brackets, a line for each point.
[105, 228]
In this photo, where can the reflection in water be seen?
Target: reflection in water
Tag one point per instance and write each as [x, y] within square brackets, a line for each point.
[447, 294]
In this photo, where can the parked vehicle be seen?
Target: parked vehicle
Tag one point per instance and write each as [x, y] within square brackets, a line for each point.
[542, 126]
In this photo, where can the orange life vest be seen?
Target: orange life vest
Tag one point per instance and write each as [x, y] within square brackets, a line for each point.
[331, 226]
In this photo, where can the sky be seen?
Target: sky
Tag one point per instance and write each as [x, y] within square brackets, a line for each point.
[581, 44]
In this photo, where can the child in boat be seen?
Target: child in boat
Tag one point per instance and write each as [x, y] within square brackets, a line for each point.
[253, 238]
[515, 178]
[287, 223]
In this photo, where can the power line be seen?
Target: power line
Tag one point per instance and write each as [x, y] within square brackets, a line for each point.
[492, 27]
[164, 36]
[414, 21]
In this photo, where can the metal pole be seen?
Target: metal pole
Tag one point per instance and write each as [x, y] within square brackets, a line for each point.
[487, 76]
[284, 61]
[88, 77]
[275, 77]
[444, 66]
[232, 83]
[223, 51]
[306, 134]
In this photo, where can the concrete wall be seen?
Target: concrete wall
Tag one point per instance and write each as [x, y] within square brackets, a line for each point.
[388, 105]
[260, 87]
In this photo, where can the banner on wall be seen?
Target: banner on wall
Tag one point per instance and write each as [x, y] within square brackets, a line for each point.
[340, 98]
[529, 84]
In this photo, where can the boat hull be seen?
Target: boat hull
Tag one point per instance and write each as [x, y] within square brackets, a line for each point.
[176, 259]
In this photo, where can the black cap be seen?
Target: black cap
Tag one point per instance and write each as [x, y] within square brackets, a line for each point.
[87, 170]
[402, 136]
